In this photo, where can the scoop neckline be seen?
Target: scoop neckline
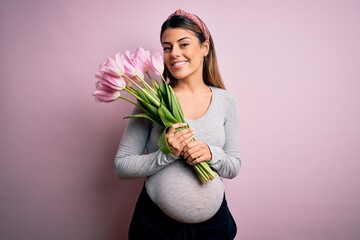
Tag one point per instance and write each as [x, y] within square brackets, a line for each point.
[207, 110]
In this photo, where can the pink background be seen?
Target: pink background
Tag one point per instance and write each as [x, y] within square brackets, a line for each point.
[293, 65]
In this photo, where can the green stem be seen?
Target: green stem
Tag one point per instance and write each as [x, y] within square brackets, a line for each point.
[132, 81]
[146, 85]
[209, 172]
[163, 79]
[203, 169]
[206, 173]
[200, 174]
[132, 92]
[132, 102]
[151, 80]
[207, 169]
[155, 101]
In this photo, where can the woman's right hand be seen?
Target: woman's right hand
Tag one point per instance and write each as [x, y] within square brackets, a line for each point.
[177, 140]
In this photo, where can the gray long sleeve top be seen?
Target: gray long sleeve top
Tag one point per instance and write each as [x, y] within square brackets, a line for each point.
[171, 183]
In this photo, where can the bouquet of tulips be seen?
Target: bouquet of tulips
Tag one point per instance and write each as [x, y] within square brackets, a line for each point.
[126, 72]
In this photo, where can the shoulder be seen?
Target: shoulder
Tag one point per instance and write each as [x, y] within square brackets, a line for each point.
[224, 96]
[138, 120]
[226, 103]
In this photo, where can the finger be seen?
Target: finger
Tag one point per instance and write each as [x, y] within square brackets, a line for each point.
[184, 146]
[193, 144]
[172, 130]
[184, 136]
[191, 147]
[200, 157]
[184, 131]
[195, 150]
[173, 127]
[196, 160]
[176, 144]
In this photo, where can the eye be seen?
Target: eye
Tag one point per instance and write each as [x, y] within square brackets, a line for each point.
[184, 45]
[167, 49]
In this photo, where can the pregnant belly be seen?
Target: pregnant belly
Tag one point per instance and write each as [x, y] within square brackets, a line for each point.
[178, 193]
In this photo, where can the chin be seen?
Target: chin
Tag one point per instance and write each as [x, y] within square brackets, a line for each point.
[180, 74]
[179, 78]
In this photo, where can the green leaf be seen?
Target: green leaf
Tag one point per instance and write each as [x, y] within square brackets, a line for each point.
[170, 101]
[151, 93]
[146, 97]
[170, 96]
[153, 112]
[156, 85]
[166, 117]
[163, 87]
[144, 115]
[162, 90]
[141, 94]
[162, 143]
[177, 110]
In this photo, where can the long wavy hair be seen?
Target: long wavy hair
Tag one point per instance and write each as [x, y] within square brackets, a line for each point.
[211, 74]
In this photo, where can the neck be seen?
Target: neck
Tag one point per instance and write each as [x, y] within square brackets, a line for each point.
[191, 86]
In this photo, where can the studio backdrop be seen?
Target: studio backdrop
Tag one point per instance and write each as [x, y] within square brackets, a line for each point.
[292, 65]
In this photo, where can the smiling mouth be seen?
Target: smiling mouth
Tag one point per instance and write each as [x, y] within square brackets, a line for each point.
[179, 64]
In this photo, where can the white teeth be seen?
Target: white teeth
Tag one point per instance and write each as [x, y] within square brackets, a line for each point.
[179, 63]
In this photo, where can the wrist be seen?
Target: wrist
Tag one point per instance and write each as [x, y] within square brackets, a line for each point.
[209, 152]
[173, 156]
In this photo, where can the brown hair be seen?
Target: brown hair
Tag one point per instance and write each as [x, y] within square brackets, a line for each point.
[211, 73]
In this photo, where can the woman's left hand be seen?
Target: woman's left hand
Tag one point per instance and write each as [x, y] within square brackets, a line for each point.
[196, 152]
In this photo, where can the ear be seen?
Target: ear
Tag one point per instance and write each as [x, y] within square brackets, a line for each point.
[206, 47]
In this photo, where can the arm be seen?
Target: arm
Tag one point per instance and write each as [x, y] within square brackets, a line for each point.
[226, 161]
[130, 160]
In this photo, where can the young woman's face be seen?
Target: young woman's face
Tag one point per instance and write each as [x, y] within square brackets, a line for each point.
[183, 53]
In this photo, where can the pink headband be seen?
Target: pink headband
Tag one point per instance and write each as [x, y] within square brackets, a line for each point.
[195, 19]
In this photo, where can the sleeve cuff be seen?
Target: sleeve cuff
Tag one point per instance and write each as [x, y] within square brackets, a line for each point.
[217, 155]
[172, 157]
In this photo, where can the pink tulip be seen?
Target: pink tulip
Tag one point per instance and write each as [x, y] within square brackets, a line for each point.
[99, 75]
[100, 85]
[102, 95]
[113, 67]
[156, 63]
[133, 66]
[116, 84]
[143, 56]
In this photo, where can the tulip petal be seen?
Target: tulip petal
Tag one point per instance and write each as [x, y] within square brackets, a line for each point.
[99, 75]
[112, 68]
[156, 63]
[116, 84]
[133, 66]
[105, 96]
[119, 63]
[142, 55]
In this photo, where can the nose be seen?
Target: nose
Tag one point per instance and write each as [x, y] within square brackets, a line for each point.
[175, 51]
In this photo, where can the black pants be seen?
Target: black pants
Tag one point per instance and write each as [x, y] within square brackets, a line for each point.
[149, 222]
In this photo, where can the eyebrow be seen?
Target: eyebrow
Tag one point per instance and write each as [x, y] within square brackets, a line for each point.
[177, 40]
